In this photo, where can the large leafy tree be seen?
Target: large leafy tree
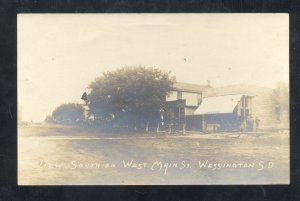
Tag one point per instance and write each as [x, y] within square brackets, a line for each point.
[130, 95]
[69, 113]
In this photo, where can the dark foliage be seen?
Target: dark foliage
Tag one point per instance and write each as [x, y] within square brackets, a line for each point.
[131, 96]
[69, 113]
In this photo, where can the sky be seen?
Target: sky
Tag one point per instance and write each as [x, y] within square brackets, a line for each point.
[60, 54]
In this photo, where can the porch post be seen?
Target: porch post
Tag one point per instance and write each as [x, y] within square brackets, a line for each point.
[244, 107]
[203, 123]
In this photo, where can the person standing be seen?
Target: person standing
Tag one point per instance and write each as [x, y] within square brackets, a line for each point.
[250, 123]
[257, 122]
[243, 126]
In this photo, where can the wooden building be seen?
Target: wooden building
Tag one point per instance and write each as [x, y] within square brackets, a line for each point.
[228, 108]
[181, 103]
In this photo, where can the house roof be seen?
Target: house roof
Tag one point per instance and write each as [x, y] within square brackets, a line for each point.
[218, 104]
[187, 87]
[248, 90]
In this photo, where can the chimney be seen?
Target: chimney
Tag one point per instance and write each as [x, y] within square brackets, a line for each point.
[208, 83]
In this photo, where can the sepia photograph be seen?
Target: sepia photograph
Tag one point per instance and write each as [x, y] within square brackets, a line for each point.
[153, 99]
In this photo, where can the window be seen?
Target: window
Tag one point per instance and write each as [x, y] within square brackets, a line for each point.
[243, 101]
[244, 108]
[246, 101]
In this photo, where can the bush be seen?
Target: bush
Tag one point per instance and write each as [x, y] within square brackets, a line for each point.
[69, 113]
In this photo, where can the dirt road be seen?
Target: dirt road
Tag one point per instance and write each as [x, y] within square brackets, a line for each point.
[60, 155]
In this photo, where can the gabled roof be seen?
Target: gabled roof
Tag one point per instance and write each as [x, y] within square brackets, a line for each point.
[218, 104]
[187, 87]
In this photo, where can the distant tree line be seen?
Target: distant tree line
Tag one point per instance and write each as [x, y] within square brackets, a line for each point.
[69, 113]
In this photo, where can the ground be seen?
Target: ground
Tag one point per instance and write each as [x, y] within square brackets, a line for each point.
[50, 154]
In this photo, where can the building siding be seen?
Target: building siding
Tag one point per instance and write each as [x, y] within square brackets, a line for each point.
[263, 103]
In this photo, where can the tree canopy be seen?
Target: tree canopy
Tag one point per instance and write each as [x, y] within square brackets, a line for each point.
[129, 94]
[69, 113]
